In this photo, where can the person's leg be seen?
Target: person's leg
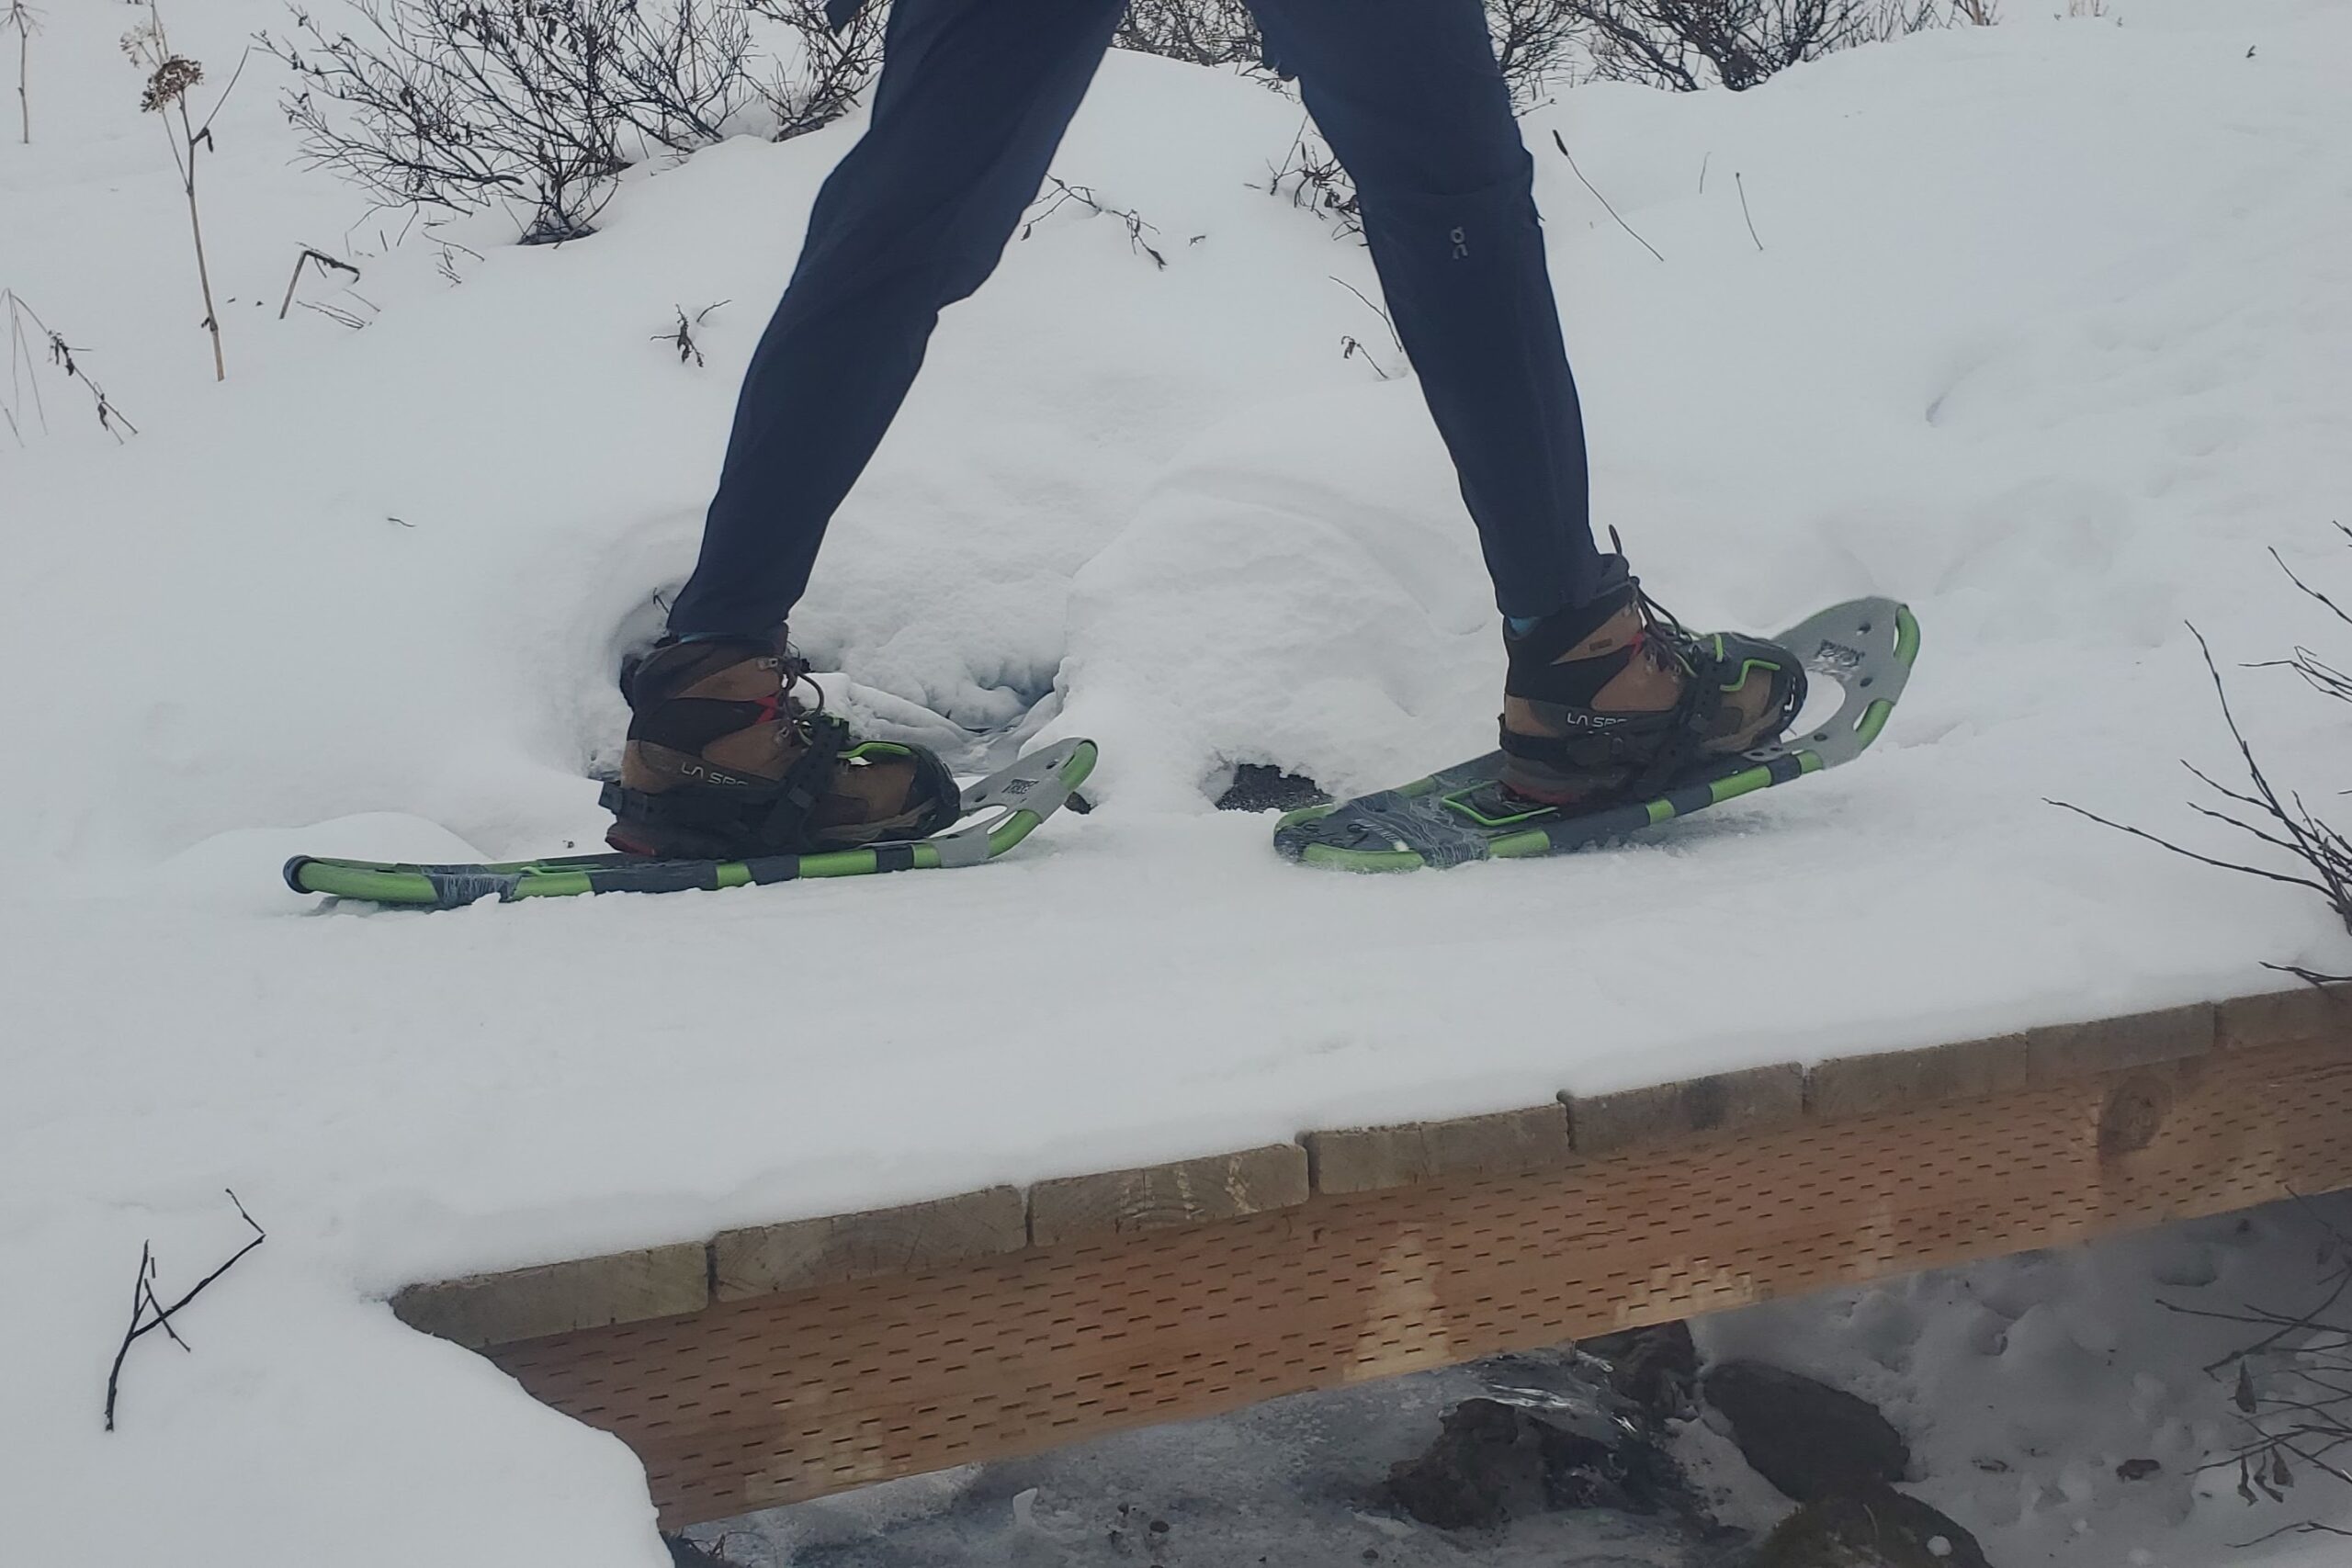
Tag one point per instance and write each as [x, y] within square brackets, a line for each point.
[973, 100]
[1603, 697]
[1409, 96]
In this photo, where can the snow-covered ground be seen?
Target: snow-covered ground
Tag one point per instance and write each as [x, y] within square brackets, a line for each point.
[2047, 333]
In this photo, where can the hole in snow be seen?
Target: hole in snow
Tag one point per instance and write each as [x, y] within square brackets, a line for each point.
[1262, 786]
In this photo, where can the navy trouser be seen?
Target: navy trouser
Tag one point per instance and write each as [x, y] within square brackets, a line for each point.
[973, 99]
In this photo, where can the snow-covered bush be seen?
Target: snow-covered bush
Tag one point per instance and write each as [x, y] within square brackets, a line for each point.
[464, 104]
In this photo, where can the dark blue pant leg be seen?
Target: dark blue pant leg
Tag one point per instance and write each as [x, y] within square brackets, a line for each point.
[1409, 96]
[973, 100]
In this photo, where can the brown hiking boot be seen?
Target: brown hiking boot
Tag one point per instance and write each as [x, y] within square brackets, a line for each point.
[1613, 699]
[724, 762]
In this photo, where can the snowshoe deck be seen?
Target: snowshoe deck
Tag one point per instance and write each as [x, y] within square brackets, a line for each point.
[1864, 646]
[999, 812]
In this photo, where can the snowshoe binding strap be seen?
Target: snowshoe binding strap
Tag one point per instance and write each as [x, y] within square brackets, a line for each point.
[770, 821]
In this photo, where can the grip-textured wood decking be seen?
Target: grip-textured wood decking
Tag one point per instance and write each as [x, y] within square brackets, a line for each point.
[941, 1335]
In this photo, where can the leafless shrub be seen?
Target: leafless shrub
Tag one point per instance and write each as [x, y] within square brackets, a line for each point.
[170, 78]
[1199, 32]
[832, 69]
[1535, 42]
[1689, 44]
[2287, 1385]
[2260, 810]
[1314, 180]
[31, 344]
[20, 19]
[459, 105]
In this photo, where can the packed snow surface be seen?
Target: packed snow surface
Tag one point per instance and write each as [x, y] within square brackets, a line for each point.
[2042, 327]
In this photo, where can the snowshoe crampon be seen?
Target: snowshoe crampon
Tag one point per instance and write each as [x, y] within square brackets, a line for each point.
[999, 812]
[1864, 649]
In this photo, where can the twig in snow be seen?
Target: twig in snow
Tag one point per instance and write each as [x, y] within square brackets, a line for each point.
[1350, 347]
[1743, 207]
[24, 21]
[2309, 1527]
[1064, 193]
[1318, 182]
[143, 1302]
[1375, 309]
[322, 261]
[445, 262]
[682, 337]
[24, 369]
[1562, 144]
[170, 78]
[341, 317]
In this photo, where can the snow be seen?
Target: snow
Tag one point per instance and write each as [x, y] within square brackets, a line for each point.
[2047, 334]
[2022, 1383]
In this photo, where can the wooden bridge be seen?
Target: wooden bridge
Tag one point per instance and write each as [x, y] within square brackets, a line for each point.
[765, 1366]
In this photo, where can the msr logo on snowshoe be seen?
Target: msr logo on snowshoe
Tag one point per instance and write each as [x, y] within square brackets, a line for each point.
[1836, 655]
[1018, 786]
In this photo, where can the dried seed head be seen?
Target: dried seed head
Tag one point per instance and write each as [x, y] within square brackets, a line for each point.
[172, 79]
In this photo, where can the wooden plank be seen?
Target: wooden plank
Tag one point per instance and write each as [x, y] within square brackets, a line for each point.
[1359, 1160]
[1154, 1197]
[2302, 1014]
[587, 1292]
[902, 1240]
[1668, 1112]
[2105, 1044]
[1902, 1080]
[792, 1395]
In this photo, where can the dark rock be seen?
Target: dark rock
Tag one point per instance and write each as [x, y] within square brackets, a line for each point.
[1258, 786]
[1493, 1461]
[2136, 1469]
[1654, 1367]
[1875, 1528]
[1805, 1438]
